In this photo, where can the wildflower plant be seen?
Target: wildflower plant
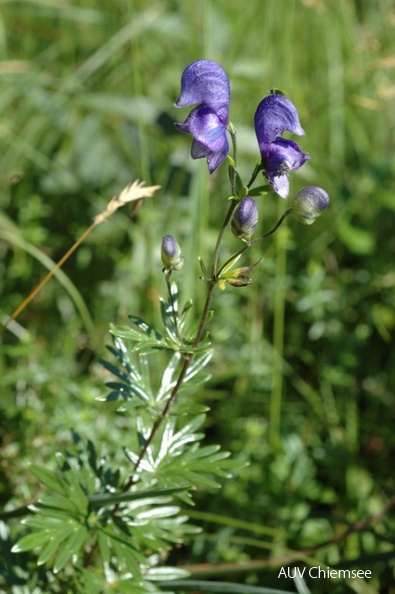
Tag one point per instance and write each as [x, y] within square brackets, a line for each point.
[102, 521]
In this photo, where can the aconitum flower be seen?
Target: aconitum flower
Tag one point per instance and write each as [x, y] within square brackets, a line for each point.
[308, 204]
[171, 255]
[275, 115]
[245, 219]
[206, 82]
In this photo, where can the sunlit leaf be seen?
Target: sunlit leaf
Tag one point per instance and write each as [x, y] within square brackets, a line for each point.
[55, 539]
[31, 541]
[70, 547]
[49, 478]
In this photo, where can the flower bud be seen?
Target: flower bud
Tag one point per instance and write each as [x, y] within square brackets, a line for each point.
[245, 219]
[308, 204]
[171, 254]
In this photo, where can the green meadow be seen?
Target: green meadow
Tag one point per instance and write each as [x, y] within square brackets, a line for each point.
[301, 387]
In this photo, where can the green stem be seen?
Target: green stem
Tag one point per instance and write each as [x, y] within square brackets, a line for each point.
[251, 243]
[258, 168]
[217, 248]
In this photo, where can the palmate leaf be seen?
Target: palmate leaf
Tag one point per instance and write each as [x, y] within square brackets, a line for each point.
[135, 376]
[61, 539]
[145, 519]
[170, 375]
[56, 538]
[169, 312]
[31, 541]
[198, 363]
[71, 547]
[189, 332]
[176, 456]
[145, 336]
[180, 336]
[151, 524]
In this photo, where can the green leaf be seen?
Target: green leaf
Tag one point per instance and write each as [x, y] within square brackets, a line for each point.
[126, 556]
[103, 546]
[60, 503]
[231, 172]
[168, 318]
[203, 267]
[166, 573]
[168, 380]
[190, 333]
[146, 328]
[77, 493]
[31, 541]
[187, 408]
[148, 347]
[49, 478]
[50, 512]
[114, 370]
[126, 333]
[229, 264]
[260, 191]
[56, 537]
[198, 363]
[70, 547]
[105, 499]
[147, 338]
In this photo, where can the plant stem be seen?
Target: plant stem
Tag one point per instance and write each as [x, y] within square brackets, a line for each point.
[258, 168]
[217, 248]
[173, 395]
[202, 324]
[251, 243]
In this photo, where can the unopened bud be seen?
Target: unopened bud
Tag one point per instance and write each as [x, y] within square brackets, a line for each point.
[245, 219]
[171, 255]
[308, 204]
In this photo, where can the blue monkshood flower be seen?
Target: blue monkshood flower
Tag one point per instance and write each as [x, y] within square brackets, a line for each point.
[206, 82]
[308, 204]
[245, 219]
[171, 255]
[275, 115]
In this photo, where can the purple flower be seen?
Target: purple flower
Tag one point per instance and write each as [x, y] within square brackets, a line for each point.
[206, 82]
[275, 115]
[171, 255]
[245, 219]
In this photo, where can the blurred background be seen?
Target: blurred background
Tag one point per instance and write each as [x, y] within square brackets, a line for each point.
[303, 372]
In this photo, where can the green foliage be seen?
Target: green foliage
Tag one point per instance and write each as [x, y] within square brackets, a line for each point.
[131, 522]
